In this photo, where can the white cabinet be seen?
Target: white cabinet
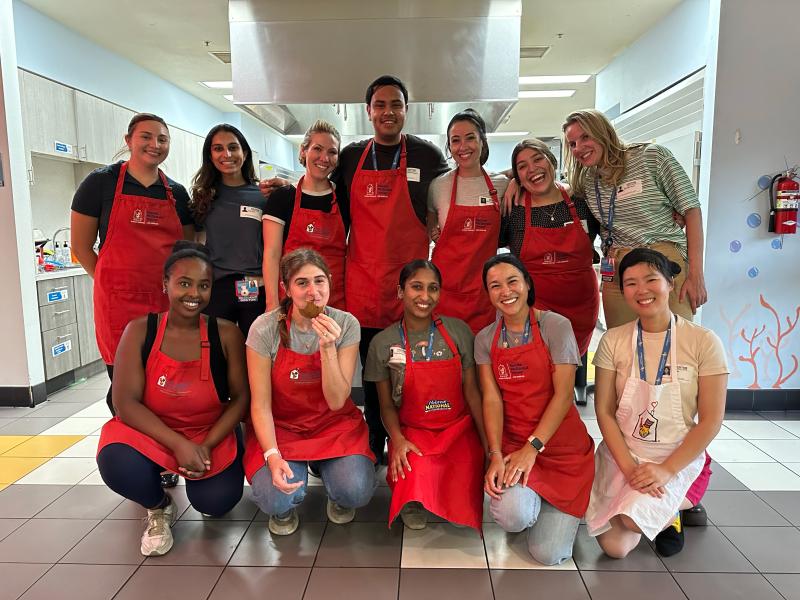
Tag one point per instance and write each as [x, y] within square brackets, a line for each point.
[185, 156]
[101, 128]
[48, 116]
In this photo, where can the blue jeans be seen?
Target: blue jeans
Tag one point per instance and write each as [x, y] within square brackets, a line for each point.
[348, 480]
[552, 532]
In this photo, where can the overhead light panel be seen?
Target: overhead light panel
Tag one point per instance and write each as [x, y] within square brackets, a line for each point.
[546, 93]
[218, 85]
[533, 51]
[548, 79]
[508, 134]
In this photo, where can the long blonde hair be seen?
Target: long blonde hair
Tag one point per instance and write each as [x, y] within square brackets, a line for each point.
[600, 129]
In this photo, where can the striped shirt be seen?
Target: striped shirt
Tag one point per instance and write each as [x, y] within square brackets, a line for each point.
[653, 185]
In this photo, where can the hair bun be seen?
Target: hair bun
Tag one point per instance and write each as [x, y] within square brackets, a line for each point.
[674, 268]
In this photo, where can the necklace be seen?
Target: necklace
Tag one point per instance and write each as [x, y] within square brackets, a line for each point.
[552, 215]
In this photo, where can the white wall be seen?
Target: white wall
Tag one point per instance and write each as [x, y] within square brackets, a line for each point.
[671, 50]
[51, 195]
[754, 105]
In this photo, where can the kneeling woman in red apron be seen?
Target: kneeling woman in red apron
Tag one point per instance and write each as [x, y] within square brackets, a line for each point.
[541, 456]
[430, 406]
[301, 362]
[657, 421]
[179, 393]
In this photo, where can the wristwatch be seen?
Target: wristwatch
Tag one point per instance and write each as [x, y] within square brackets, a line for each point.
[537, 444]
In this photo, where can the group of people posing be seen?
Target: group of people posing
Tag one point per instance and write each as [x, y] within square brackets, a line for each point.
[469, 358]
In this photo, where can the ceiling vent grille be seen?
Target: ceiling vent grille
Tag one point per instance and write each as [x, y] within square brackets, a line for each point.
[223, 56]
[533, 51]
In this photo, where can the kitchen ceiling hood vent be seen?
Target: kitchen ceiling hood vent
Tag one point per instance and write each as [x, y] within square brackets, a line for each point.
[533, 51]
[296, 62]
[223, 56]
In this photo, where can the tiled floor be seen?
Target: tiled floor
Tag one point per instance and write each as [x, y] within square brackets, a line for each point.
[64, 535]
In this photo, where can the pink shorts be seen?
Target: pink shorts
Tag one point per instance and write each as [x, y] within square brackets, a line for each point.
[698, 488]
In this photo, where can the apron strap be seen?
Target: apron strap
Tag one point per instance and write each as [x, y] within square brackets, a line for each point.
[123, 168]
[437, 321]
[570, 205]
[298, 194]
[489, 185]
[162, 327]
[205, 350]
[167, 187]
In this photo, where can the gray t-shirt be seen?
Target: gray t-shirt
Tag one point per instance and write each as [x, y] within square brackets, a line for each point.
[264, 337]
[556, 333]
[471, 191]
[233, 230]
[380, 367]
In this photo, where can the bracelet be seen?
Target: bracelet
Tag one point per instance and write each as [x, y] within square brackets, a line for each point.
[269, 453]
[490, 452]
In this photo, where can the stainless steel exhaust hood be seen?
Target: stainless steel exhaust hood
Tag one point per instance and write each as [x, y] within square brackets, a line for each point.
[295, 62]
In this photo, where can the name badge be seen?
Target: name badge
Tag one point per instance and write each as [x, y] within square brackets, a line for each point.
[250, 212]
[484, 200]
[629, 189]
[412, 174]
[607, 268]
[247, 290]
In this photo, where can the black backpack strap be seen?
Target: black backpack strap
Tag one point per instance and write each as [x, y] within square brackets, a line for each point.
[219, 364]
[150, 337]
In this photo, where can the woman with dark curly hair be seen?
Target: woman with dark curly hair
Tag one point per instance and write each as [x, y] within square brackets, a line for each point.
[227, 204]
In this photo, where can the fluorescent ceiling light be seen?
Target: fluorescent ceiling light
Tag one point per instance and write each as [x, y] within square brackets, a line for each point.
[295, 137]
[508, 134]
[228, 97]
[546, 93]
[218, 85]
[545, 79]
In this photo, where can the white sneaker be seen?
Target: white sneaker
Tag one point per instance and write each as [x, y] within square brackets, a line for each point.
[157, 536]
[414, 516]
[286, 525]
[339, 514]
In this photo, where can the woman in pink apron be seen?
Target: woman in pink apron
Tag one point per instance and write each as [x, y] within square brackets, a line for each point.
[301, 360]
[308, 215]
[660, 400]
[430, 406]
[180, 392]
[541, 456]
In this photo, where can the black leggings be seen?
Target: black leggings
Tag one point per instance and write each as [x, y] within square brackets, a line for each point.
[134, 476]
[372, 409]
[110, 369]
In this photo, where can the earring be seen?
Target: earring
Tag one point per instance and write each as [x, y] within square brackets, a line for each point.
[164, 290]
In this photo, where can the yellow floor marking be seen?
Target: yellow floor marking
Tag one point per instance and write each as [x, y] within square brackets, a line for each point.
[590, 367]
[9, 441]
[13, 467]
[3, 486]
[46, 446]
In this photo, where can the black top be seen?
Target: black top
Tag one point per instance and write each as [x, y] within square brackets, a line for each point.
[95, 195]
[513, 226]
[421, 155]
[281, 205]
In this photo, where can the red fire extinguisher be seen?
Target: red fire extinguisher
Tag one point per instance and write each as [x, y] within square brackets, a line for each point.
[784, 199]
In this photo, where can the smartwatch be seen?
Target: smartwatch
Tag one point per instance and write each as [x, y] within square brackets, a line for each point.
[537, 444]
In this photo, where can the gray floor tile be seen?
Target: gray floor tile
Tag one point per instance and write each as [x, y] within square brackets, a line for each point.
[743, 415]
[160, 583]
[360, 545]
[513, 584]
[245, 510]
[258, 583]
[44, 540]
[110, 543]
[740, 508]
[30, 425]
[5, 421]
[726, 586]
[260, 548]
[788, 585]
[80, 582]
[24, 501]
[708, 551]
[202, 543]
[18, 577]
[130, 510]
[377, 511]
[722, 480]
[15, 412]
[605, 585]
[81, 502]
[445, 584]
[56, 409]
[84, 396]
[589, 557]
[770, 549]
[312, 509]
[9, 525]
[786, 503]
[353, 584]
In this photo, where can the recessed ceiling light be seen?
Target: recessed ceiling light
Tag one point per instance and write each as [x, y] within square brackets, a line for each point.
[218, 85]
[295, 137]
[546, 93]
[545, 79]
[508, 134]
[228, 97]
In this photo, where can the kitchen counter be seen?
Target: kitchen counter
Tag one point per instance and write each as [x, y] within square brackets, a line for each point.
[71, 272]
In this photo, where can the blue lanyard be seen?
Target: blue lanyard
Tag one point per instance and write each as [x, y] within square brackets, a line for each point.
[395, 160]
[662, 363]
[526, 333]
[427, 356]
[608, 241]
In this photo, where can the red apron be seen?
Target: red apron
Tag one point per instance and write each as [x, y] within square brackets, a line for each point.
[448, 478]
[305, 427]
[128, 278]
[183, 396]
[564, 472]
[323, 232]
[385, 234]
[468, 240]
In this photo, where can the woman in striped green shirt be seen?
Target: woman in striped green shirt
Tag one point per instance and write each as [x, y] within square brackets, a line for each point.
[634, 190]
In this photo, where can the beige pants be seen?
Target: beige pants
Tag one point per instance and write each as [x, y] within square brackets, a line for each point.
[617, 312]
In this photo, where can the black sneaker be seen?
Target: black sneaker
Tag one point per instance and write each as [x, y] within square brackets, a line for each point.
[169, 480]
[670, 541]
[695, 516]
